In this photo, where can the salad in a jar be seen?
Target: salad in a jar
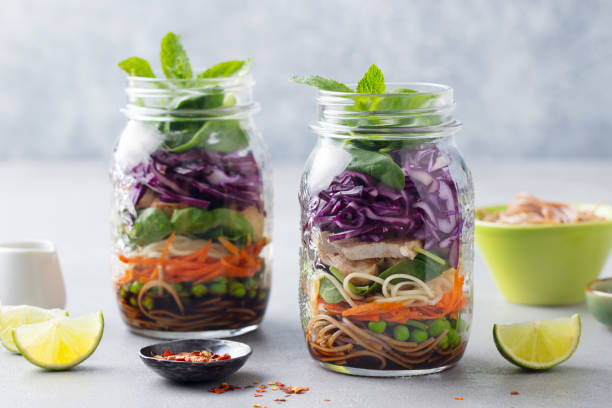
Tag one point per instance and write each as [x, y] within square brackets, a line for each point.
[190, 217]
[387, 250]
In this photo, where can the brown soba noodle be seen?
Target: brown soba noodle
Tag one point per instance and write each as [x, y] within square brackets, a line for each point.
[211, 313]
[336, 341]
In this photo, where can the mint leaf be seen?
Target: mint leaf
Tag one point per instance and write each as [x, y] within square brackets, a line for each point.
[225, 69]
[174, 60]
[321, 83]
[372, 82]
[378, 165]
[137, 67]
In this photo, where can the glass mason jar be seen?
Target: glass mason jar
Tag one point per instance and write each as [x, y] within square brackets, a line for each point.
[192, 207]
[387, 234]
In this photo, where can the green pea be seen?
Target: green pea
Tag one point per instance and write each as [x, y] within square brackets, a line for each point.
[237, 289]
[199, 290]
[135, 287]
[401, 333]
[177, 286]
[436, 327]
[122, 292]
[462, 325]
[452, 334]
[148, 302]
[418, 335]
[133, 301]
[218, 288]
[252, 293]
[443, 344]
[453, 338]
[220, 279]
[250, 283]
[417, 324]
[377, 326]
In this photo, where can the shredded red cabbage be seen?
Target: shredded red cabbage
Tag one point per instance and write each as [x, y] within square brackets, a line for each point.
[200, 178]
[356, 205]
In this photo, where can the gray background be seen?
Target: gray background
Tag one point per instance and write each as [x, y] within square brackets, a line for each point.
[532, 78]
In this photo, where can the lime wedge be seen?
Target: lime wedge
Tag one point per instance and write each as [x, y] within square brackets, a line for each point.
[538, 345]
[16, 316]
[61, 343]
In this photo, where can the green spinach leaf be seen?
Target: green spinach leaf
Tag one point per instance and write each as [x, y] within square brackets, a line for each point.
[328, 290]
[420, 267]
[192, 221]
[230, 224]
[137, 67]
[151, 225]
[222, 136]
[378, 165]
[174, 60]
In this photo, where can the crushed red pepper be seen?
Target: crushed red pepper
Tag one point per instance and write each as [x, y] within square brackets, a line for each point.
[459, 398]
[514, 393]
[260, 389]
[197, 356]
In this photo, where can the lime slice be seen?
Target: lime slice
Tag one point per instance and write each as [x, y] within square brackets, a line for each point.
[538, 345]
[16, 316]
[61, 343]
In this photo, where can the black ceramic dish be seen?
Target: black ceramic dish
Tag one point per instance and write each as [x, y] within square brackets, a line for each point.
[182, 371]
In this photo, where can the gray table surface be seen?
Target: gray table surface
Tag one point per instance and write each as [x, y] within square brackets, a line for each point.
[68, 203]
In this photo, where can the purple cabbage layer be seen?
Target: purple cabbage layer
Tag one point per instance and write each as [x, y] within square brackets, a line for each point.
[356, 205]
[200, 178]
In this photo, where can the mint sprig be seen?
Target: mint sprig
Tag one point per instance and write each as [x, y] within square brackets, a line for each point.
[175, 63]
[373, 81]
[226, 69]
[135, 66]
[321, 83]
[174, 60]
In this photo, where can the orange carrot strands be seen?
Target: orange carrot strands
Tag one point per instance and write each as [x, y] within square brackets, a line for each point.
[196, 266]
[228, 245]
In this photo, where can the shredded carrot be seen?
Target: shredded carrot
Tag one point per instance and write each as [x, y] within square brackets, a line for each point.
[197, 266]
[228, 245]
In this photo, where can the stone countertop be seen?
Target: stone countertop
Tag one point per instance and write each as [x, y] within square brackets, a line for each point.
[68, 203]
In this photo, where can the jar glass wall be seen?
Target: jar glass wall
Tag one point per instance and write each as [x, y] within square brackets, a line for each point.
[387, 234]
[191, 210]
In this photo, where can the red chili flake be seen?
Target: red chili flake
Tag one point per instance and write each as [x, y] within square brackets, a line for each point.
[258, 395]
[167, 353]
[255, 382]
[256, 405]
[280, 384]
[224, 387]
[281, 400]
[270, 383]
[514, 393]
[459, 398]
[296, 390]
[326, 399]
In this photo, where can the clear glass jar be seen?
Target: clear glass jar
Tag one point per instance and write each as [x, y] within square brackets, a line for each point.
[387, 234]
[192, 209]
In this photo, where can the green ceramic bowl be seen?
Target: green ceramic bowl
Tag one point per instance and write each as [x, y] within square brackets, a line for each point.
[599, 300]
[545, 264]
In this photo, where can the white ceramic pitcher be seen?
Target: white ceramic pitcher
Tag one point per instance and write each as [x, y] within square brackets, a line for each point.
[30, 274]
